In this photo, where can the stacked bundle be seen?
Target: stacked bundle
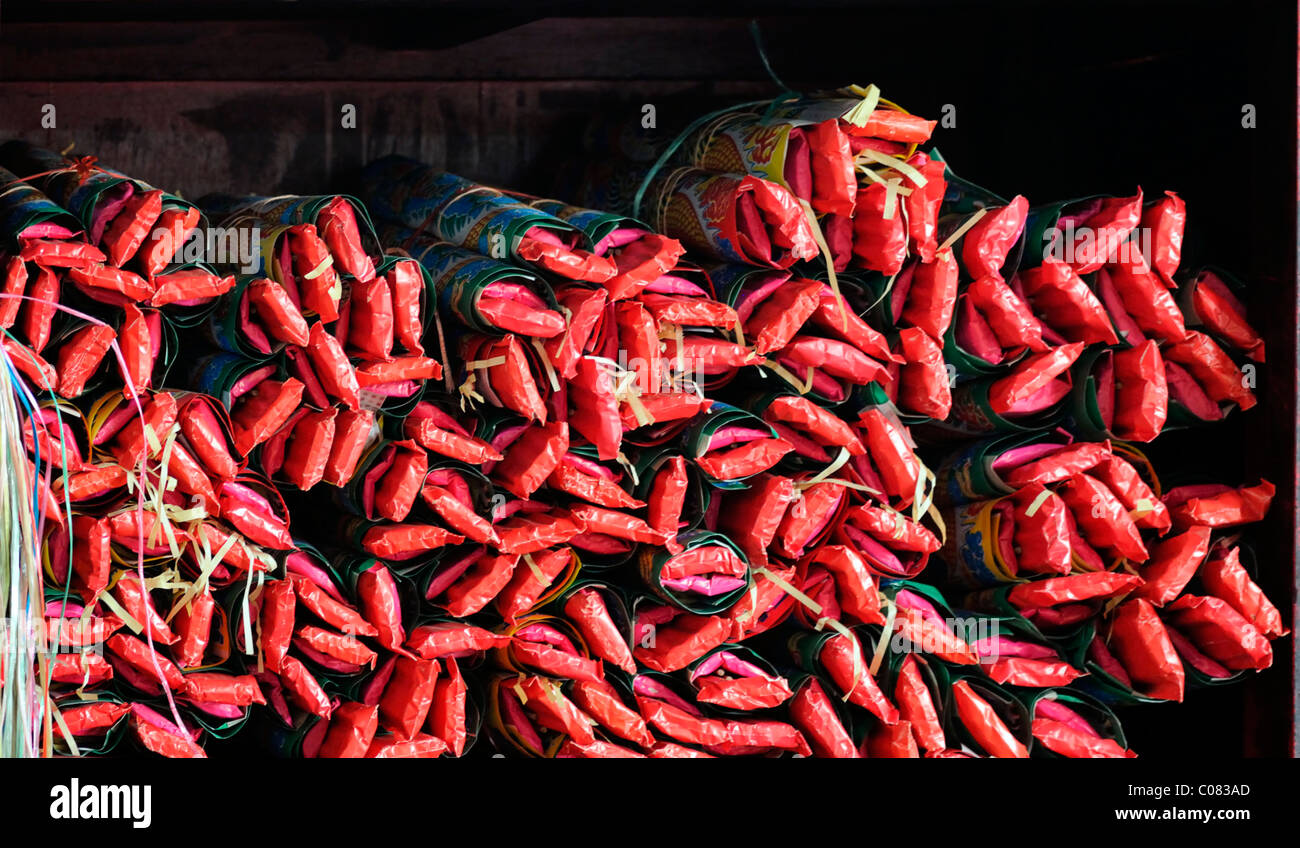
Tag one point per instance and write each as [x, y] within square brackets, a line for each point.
[658, 508]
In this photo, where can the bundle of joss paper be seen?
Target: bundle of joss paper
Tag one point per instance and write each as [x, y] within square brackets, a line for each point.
[583, 485]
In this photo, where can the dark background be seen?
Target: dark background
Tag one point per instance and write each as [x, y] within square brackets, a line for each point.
[1053, 100]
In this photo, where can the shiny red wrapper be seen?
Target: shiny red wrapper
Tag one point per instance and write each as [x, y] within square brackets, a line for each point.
[482, 582]
[421, 746]
[1007, 315]
[585, 306]
[1138, 640]
[332, 612]
[570, 478]
[351, 433]
[15, 283]
[775, 321]
[1173, 564]
[510, 377]
[1224, 577]
[916, 707]
[594, 407]
[879, 242]
[984, 724]
[459, 514]
[194, 629]
[381, 606]
[986, 244]
[1102, 518]
[757, 736]
[279, 316]
[530, 581]
[751, 516]
[277, 620]
[128, 229]
[452, 639]
[190, 285]
[888, 445]
[302, 689]
[932, 295]
[80, 357]
[892, 741]
[924, 384]
[162, 737]
[352, 728]
[1219, 506]
[923, 204]
[135, 657]
[38, 314]
[1141, 393]
[746, 460]
[81, 669]
[1065, 303]
[263, 411]
[331, 366]
[601, 701]
[847, 667]
[432, 434]
[811, 513]
[1041, 531]
[1145, 298]
[532, 458]
[1072, 589]
[681, 641]
[1104, 230]
[30, 364]
[1035, 383]
[136, 340]
[1218, 630]
[542, 697]
[212, 687]
[673, 719]
[370, 319]
[316, 278]
[135, 599]
[1219, 310]
[93, 719]
[814, 714]
[112, 284]
[1165, 220]
[1213, 369]
[309, 449]
[408, 696]
[170, 231]
[1067, 741]
[447, 718]
[338, 226]
[587, 611]
[404, 541]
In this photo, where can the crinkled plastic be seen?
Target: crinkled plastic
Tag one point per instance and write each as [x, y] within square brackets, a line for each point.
[987, 243]
[1101, 517]
[1225, 578]
[814, 714]
[1219, 506]
[352, 728]
[1221, 632]
[1137, 639]
[847, 668]
[1164, 220]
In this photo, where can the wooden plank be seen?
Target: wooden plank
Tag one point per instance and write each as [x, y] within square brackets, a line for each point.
[197, 138]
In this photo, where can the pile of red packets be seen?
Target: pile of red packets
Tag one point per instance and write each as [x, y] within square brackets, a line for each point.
[587, 487]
